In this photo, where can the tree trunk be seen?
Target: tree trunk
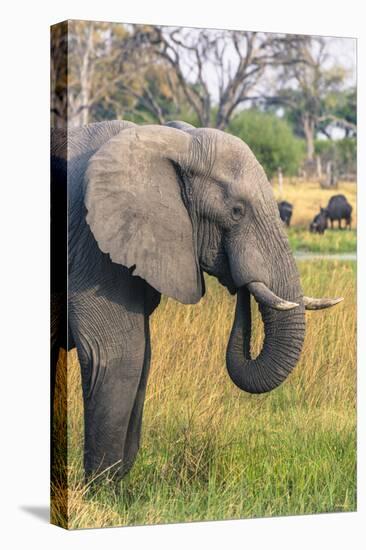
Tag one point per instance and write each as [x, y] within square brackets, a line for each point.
[79, 105]
[280, 180]
[319, 171]
[309, 130]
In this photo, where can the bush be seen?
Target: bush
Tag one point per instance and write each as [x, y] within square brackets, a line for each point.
[271, 140]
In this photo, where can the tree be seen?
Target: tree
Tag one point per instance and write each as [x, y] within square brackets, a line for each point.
[344, 111]
[271, 140]
[217, 70]
[151, 74]
[59, 75]
[106, 70]
[341, 153]
[94, 64]
[308, 99]
[150, 99]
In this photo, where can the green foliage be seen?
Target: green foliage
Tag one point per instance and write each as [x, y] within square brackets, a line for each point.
[271, 140]
[328, 109]
[342, 152]
[319, 96]
[344, 106]
[347, 154]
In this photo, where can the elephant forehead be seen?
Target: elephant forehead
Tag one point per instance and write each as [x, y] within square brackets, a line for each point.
[250, 184]
[232, 156]
[235, 159]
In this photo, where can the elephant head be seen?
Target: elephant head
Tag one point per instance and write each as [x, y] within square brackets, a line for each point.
[168, 203]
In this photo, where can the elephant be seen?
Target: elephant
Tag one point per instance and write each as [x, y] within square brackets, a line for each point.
[285, 209]
[320, 222]
[150, 209]
[339, 209]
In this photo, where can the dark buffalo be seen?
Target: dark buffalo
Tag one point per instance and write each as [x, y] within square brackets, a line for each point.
[320, 222]
[339, 209]
[285, 209]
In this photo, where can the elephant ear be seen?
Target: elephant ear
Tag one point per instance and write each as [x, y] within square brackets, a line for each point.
[136, 212]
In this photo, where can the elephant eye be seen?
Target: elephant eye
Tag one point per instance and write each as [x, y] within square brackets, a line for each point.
[237, 212]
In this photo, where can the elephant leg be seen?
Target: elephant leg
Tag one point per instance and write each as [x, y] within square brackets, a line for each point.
[331, 224]
[132, 443]
[111, 344]
[339, 224]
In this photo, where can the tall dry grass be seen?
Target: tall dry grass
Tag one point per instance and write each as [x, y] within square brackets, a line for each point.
[210, 451]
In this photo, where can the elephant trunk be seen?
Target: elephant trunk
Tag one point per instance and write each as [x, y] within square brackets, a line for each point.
[284, 336]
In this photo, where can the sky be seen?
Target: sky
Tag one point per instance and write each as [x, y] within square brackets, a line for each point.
[344, 51]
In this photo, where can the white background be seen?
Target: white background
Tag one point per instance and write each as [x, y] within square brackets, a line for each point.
[24, 215]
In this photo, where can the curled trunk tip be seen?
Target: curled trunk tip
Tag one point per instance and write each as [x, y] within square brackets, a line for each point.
[284, 335]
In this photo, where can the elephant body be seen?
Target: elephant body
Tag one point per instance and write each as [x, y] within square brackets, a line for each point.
[108, 312]
[148, 210]
[339, 209]
[320, 222]
[285, 209]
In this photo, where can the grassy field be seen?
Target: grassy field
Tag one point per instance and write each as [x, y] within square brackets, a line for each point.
[307, 198]
[210, 451]
[332, 242]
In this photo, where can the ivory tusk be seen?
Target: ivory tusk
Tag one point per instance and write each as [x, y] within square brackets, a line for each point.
[320, 303]
[266, 297]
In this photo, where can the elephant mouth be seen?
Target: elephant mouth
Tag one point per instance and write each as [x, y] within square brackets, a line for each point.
[229, 285]
[223, 276]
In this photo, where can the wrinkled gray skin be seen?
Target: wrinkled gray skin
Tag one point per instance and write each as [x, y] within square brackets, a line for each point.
[150, 209]
[339, 209]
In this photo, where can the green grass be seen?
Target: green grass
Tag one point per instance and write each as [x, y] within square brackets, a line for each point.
[332, 241]
[210, 451]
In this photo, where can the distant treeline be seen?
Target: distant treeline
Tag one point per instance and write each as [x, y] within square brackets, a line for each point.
[280, 93]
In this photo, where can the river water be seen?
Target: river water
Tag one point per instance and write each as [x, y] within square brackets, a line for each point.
[346, 256]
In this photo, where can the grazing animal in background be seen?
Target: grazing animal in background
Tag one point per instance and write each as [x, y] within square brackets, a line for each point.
[320, 222]
[285, 209]
[339, 209]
